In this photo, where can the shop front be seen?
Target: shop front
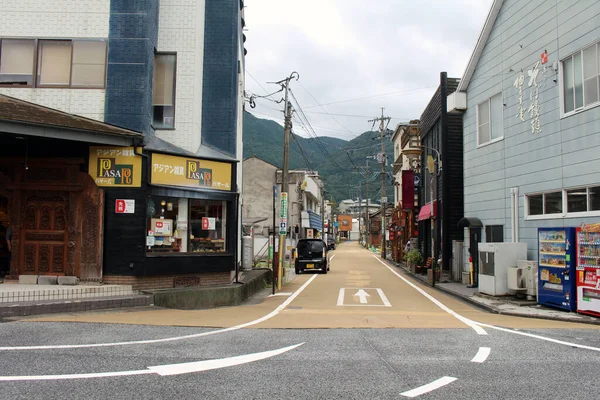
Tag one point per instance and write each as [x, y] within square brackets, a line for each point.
[178, 229]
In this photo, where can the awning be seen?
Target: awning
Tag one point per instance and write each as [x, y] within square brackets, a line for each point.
[425, 212]
[315, 220]
[470, 222]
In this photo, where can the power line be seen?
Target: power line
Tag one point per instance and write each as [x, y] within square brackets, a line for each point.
[374, 96]
[338, 122]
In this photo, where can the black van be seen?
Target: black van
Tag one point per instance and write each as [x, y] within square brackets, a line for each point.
[311, 254]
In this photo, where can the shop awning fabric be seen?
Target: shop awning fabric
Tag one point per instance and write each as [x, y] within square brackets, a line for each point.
[427, 212]
[315, 220]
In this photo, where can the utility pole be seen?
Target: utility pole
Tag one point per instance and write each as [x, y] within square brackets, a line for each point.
[287, 128]
[367, 220]
[383, 124]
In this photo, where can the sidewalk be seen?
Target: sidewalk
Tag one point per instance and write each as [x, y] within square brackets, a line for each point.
[507, 305]
[23, 300]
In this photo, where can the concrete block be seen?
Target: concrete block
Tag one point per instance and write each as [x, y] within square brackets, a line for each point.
[47, 280]
[28, 279]
[68, 280]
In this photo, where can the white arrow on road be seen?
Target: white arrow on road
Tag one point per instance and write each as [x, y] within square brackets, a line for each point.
[163, 370]
[362, 296]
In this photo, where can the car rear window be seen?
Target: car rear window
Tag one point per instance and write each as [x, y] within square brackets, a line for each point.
[309, 246]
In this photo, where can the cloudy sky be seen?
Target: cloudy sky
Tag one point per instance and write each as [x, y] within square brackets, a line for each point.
[356, 56]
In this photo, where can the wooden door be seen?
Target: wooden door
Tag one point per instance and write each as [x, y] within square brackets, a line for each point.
[43, 233]
[90, 229]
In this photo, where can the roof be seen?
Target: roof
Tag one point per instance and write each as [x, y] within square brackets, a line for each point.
[20, 111]
[156, 144]
[480, 45]
[260, 159]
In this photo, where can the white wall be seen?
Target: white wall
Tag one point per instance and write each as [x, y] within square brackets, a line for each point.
[57, 19]
[181, 30]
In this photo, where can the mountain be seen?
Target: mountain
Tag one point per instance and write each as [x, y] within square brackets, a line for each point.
[340, 163]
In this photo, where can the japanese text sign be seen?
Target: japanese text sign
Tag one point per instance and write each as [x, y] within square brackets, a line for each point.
[190, 172]
[115, 166]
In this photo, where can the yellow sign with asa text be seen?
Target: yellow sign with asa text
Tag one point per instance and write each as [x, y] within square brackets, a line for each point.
[113, 166]
[190, 172]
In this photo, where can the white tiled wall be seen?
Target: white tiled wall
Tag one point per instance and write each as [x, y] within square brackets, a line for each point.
[181, 30]
[57, 19]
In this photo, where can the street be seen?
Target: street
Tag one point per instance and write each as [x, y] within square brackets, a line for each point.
[365, 330]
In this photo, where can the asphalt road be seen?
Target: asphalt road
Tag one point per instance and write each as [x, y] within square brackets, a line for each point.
[362, 331]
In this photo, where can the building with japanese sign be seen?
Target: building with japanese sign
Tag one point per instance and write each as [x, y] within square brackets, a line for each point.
[531, 101]
[169, 193]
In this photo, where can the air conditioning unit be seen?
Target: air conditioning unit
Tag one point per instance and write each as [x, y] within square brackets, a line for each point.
[529, 274]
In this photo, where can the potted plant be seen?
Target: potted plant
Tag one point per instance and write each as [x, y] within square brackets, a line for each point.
[413, 259]
[438, 273]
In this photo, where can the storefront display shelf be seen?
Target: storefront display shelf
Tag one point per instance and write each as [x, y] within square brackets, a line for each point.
[550, 253]
[552, 241]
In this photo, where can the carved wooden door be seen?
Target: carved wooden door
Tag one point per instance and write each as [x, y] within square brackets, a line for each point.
[44, 233]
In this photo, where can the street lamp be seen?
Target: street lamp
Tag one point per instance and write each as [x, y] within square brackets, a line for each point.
[435, 168]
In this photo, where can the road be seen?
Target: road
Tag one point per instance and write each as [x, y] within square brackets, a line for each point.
[363, 331]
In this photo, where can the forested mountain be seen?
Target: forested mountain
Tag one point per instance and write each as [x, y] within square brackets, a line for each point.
[339, 162]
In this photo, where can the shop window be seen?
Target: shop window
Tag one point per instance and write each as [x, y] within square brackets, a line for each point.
[489, 120]
[494, 233]
[163, 215]
[16, 62]
[581, 79]
[163, 91]
[208, 222]
[577, 200]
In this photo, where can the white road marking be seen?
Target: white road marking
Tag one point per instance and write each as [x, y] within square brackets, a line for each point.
[163, 370]
[482, 355]
[362, 296]
[340, 301]
[429, 387]
[386, 302]
[281, 294]
[472, 324]
[170, 339]
[580, 346]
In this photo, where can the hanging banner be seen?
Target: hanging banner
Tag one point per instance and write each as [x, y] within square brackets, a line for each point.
[113, 166]
[408, 189]
[190, 172]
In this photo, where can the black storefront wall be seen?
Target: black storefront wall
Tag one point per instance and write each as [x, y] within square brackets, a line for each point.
[125, 234]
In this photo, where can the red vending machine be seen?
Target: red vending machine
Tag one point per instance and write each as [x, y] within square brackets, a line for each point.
[588, 269]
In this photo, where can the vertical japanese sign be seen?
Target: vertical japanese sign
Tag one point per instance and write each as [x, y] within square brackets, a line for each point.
[283, 213]
[112, 166]
[533, 110]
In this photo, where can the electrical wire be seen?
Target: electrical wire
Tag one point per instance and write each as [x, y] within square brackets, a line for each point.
[326, 112]
[374, 96]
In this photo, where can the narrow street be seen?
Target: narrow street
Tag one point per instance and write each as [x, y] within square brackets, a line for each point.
[364, 330]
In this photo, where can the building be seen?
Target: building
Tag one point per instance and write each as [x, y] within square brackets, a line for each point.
[172, 70]
[441, 189]
[532, 122]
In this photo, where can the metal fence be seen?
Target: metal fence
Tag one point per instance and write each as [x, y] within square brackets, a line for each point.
[14, 296]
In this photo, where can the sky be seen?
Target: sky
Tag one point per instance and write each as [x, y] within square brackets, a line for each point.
[354, 57]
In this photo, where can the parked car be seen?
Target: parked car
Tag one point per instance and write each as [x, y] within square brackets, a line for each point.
[311, 254]
[331, 242]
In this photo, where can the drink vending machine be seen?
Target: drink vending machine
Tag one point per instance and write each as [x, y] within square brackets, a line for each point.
[588, 269]
[557, 267]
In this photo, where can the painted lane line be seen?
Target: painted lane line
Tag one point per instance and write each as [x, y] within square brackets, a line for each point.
[385, 300]
[531, 335]
[163, 370]
[273, 313]
[281, 294]
[466, 321]
[482, 355]
[340, 300]
[429, 387]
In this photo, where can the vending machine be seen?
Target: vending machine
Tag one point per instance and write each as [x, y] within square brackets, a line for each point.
[588, 269]
[557, 267]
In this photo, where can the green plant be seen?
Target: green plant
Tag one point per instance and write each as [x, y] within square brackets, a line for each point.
[414, 257]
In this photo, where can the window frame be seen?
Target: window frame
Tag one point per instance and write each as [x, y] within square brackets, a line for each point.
[490, 123]
[491, 231]
[561, 78]
[165, 53]
[565, 204]
[36, 67]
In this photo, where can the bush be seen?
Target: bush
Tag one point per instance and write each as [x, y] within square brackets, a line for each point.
[414, 257]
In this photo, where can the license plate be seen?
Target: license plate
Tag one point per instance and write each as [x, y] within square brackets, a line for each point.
[310, 265]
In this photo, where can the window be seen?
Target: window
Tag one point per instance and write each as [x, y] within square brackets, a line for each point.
[179, 225]
[576, 201]
[494, 233]
[163, 91]
[59, 63]
[581, 79]
[489, 120]
[16, 62]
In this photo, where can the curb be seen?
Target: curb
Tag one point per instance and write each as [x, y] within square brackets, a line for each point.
[491, 309]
